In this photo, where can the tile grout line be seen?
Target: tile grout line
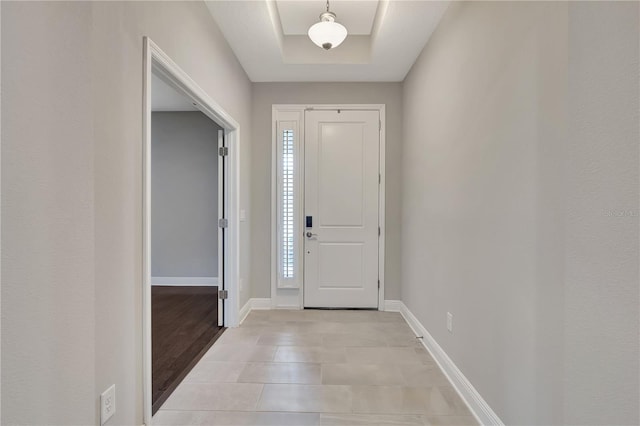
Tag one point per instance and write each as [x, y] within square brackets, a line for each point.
[386, 344]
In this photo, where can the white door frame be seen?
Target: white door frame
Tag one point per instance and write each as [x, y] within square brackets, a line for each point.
[156, 60]
[285, 298]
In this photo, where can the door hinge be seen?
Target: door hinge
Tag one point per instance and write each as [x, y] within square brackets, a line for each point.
[380, 125]
[224, 294]
[223, 151]
[379, 178]
[379, 232]
[223, 223]
[378, 284]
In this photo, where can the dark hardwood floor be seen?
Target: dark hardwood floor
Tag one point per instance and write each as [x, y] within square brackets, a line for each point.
[184, 326]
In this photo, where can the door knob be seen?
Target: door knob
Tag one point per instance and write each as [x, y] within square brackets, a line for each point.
[311, 234]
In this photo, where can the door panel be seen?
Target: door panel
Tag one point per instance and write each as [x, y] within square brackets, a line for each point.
[340, 265]
[340, 174]
[341, 194]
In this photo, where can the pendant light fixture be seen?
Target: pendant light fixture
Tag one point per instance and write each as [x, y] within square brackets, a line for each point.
[327, 33]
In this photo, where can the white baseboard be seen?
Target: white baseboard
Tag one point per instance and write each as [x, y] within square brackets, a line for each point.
[244, 311]
[258, 304]
[185, 281]
[477, 405]
[393, 305]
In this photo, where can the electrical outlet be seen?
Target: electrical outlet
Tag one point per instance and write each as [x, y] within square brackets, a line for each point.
[107, 404]
[450, 322]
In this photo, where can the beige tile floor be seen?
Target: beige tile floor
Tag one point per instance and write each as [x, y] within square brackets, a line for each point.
[316, 367]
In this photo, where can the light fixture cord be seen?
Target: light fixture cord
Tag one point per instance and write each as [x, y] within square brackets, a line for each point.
[327, 5]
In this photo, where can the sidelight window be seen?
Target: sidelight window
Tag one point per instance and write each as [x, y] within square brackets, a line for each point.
[288, 202]
[287, 255]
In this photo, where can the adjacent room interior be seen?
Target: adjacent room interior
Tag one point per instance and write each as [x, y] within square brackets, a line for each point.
[185, 194]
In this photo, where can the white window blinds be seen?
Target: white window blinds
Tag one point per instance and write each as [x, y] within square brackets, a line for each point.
[287, 253]
[288, 201]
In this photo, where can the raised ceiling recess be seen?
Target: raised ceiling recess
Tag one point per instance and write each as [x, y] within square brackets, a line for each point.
[269, 37]
[297, 16]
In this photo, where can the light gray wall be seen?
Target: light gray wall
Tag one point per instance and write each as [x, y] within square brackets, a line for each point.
[184, 195]
[267, 94]
[602, 195]
[521, 135]
[72, 213]
[48, 212]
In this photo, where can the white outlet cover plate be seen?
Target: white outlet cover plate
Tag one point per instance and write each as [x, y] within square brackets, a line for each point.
[107, 404]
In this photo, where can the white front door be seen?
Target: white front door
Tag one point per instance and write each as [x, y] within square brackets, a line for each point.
[342, 151]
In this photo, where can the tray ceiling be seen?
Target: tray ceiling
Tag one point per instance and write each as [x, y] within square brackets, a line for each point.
[296, 16]
[269, 37]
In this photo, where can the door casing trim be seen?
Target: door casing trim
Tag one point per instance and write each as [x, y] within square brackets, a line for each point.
[291, 301]
[156, 59]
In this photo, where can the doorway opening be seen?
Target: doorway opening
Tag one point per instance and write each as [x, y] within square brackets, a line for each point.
[190, 240]
[186, 194]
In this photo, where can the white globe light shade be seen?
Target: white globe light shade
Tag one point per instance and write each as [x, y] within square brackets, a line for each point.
[327, 34]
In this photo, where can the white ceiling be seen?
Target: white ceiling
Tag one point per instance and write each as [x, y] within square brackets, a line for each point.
[166, 98]
[269, 37]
